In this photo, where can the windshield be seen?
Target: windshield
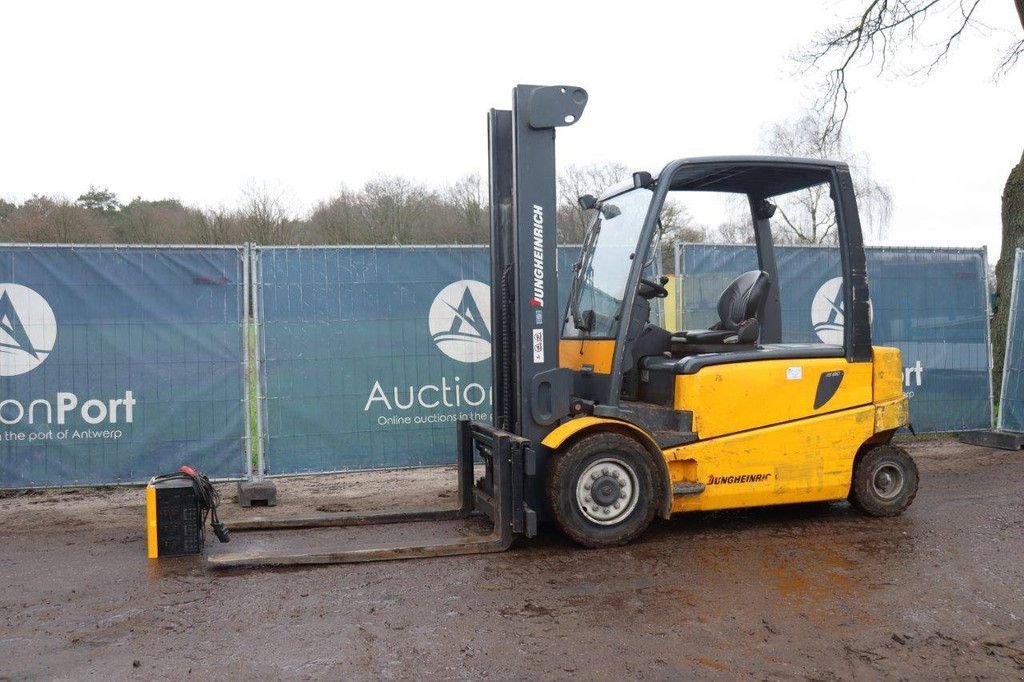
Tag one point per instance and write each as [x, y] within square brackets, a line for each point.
[599, 280]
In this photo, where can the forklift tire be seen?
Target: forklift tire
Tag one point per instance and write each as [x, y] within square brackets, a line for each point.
[603, 490]
[884, 481]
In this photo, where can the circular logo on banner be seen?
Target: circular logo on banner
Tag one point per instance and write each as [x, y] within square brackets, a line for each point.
[28, 329]
[460, 321]
[827, 312]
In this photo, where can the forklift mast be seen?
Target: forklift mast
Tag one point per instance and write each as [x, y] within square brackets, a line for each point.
[530, 391]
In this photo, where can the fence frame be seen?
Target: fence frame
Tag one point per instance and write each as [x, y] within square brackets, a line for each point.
[255, 287]
[256, 291]
[243, 252]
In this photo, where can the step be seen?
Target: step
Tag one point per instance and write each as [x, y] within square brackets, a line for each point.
[687, 488]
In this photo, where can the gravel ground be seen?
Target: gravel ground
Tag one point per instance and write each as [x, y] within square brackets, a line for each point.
[802, 592]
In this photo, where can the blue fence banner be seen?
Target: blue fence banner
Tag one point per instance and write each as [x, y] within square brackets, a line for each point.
[369, 355]
[118, 363]
[931, 303]
[1011, 397]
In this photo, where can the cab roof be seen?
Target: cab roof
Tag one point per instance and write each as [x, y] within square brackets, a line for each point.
[764, 176]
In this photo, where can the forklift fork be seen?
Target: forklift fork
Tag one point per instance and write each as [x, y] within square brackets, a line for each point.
[507, 459]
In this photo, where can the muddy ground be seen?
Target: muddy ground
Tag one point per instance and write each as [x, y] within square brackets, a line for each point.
[815, 592]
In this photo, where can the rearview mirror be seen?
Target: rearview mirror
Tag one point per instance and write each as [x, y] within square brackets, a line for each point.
[642, 179]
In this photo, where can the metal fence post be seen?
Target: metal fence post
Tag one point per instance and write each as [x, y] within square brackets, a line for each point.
[261, 439]
[256, 489]
[680, 284]
[988, 334]
[246, 370]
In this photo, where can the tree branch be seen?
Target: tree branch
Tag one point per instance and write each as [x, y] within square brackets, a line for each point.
[792, 227]
[878, 34]
[944, 52]
[1010, 58]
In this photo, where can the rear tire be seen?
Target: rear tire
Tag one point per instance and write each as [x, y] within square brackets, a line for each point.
[604, 489]
[885, 481]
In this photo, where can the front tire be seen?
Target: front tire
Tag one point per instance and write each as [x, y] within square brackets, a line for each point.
[885, 481]
[603, 490]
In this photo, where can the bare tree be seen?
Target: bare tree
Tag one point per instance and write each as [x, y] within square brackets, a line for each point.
[339, 220]
[393, 208]
[264, 217]
[879, 36]
[7, 212]
[467, 198]
[211, 226]
[808, 216]
[676, 222]
[55, 219]
[740, 232]
[574, 182]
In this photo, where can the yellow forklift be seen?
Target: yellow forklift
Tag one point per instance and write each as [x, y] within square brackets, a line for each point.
[602, 419]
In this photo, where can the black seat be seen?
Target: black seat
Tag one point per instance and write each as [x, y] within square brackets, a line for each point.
[739, 310]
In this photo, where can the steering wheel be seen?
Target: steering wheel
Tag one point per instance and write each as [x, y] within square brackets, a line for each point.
[650, 289]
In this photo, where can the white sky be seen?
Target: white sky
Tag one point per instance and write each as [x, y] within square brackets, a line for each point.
[198, 100]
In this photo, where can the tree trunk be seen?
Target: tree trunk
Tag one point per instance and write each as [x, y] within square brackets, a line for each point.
[1013, 239]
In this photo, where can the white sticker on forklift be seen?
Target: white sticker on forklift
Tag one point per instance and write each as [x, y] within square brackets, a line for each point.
[538, 346]
[794, 373]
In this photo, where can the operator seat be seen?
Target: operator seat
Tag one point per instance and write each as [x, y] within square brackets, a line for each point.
[739, 310]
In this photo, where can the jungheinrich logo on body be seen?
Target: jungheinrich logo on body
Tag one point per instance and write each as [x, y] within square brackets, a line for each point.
[740, 478]
[28, 329]
[827, 314]
[460, 321]
[538, 257]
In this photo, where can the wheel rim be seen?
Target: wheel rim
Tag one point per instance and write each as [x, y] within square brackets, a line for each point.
[607, 491]
[887, 480]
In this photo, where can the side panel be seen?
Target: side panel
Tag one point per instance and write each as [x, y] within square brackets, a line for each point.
[888, 377]
[891, 415]
[805, 461]
[598, 353]
[731, 398]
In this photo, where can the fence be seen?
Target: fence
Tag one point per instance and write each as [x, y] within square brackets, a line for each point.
[117, 363]
[1011, 397]
[930, 303]
[370, 354]
[120, 362]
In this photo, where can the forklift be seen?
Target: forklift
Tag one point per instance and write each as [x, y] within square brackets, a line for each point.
[603, 420]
